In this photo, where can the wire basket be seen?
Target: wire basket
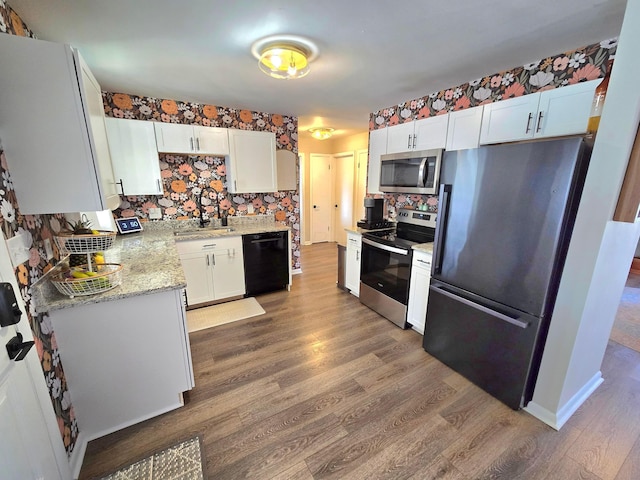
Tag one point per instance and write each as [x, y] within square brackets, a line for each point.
[85, 243]
[107, 276]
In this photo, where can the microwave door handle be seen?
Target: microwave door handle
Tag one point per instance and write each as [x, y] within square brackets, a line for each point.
[422, 173]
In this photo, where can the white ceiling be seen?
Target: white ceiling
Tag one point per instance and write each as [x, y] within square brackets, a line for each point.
[373, 54]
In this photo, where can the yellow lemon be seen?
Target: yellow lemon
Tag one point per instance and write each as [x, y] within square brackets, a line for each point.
[99, 259]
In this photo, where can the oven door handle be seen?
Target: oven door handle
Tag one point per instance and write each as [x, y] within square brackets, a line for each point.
[385, 247]
[422, 176]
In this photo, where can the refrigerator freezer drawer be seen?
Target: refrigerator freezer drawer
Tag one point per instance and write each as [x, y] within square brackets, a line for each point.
[492, 349]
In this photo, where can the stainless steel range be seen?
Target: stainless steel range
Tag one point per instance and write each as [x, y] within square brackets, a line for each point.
[386, 263]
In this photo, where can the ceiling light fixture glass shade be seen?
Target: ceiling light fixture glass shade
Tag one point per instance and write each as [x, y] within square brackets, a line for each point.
[321, 133]
[284, 61]
[284, 56]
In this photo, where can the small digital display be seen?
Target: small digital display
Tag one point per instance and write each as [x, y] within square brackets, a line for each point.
[128, 225]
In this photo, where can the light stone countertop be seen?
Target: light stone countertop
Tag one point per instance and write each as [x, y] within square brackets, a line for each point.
[424, 247]
[150, 261]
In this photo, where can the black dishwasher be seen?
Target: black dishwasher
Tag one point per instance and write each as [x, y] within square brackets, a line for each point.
[266, 262]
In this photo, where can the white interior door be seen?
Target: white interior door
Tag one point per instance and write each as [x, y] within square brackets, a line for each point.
[343, 195]
[30, 442]
[321, 197]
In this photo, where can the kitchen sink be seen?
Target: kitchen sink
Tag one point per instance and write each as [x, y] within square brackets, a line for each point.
[196, 231]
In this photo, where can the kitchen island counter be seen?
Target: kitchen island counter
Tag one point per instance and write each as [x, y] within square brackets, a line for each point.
[150, 264]
[150, 260]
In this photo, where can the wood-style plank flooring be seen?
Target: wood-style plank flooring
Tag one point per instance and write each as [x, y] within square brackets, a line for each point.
[321, 387]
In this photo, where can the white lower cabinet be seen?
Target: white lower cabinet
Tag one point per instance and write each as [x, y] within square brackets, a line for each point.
[125, 360]
[419, 290]
[353, 260]
[214, 268]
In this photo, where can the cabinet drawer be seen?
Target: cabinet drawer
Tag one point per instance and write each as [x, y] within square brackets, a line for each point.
[209, 244]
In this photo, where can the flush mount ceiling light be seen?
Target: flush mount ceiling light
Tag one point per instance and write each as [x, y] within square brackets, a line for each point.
[284, 56]
[321, 133]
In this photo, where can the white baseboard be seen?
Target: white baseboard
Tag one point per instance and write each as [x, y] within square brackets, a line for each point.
[557, 419]
[307, 243]
[77, 455]
[296, 271]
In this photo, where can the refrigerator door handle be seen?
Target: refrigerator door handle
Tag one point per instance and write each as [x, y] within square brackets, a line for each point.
[441, 226]
[501, 316]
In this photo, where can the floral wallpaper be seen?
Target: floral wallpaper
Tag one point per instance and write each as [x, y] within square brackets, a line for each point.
[581, 65]
[39, 228]
[186, 176]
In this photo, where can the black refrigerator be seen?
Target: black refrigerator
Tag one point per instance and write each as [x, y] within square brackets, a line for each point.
[506, 214]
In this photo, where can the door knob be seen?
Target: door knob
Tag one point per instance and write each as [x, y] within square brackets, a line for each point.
[17, 349]
[315, 206]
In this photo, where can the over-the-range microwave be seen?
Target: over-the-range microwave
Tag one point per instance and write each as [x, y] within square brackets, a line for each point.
[411, 172]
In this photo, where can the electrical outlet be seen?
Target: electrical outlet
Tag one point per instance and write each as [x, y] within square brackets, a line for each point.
[48, 249]
[155, 213]
[18, 249]
[250, 208]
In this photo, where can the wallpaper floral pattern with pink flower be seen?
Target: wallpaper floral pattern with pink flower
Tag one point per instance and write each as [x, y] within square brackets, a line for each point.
[38, 228]
[580, 65]
[185, 177]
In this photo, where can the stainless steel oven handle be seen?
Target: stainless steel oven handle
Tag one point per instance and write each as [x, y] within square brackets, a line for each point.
[386, 248]
[501, 316]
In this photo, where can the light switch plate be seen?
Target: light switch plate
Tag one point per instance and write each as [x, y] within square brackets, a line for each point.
[48, 249]
[155, 213]
[18, 250]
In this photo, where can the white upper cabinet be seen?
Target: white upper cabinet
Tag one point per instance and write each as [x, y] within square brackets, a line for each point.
[52, 129]
[557, 112]
[211, 140]
[399, 138]
[425, 134]
[431, 133]
[377, 147]
[251, 164]
[134, 156]
[464, 129]
[565, 111]
[191, 139]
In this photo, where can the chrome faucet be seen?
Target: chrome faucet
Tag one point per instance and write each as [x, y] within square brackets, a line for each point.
[203, 222]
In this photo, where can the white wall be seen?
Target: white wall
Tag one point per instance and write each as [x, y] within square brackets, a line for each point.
[600, 251]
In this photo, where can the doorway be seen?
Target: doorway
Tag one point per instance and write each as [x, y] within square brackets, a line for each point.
[344, 195]
[322, 190]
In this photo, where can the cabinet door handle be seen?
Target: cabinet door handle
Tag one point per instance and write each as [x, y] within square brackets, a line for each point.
[409, 142]
[159, 186]
[539, 127]
[121, 183]
[213, 259]
[191, 142]
[357, 255]
[529, 123]
[198, 144]
[414, 141]
[207, 260]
